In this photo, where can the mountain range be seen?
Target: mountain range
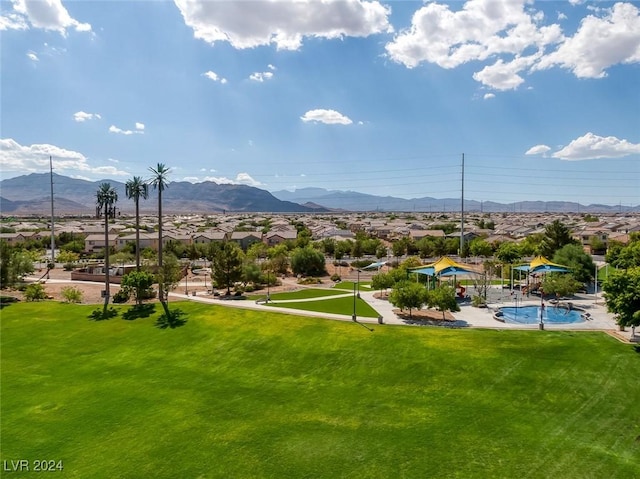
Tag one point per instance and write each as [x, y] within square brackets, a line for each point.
[30, 195]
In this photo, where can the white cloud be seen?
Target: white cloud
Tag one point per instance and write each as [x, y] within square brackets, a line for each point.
[591, 147]
[47, 15]
[213, 76]
[240, 179]
[32, 56]
[599, 43]
[538, 150]
[13, 21]
[271, 67]
[35, 158]
[511, 36]
[137, 131]
[329, 117]
[489, 96]
[283, 23]
[261, 76]
[139, 126]
[81, 116]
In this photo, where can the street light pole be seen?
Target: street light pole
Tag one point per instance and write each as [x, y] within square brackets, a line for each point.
[358, 282]
[353, 317]
[186, 280]
[541, 308]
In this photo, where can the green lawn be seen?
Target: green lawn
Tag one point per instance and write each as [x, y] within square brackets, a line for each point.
[238, 393]
[304, 293]
[342, 306]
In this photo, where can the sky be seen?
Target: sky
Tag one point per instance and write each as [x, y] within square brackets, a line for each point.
[379, 97]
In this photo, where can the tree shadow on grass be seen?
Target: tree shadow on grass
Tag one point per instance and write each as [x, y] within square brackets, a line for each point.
[174, 319]
[99, 315]
[139, 311]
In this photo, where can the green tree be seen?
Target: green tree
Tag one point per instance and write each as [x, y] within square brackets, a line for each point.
[560, 284]
[356, 250]
[480, 247]
[532, 244]
[279, 257]
[160, 181]
[251, 273]
[169, 275]
[257, 250]
[508, 253]
[307, 261]
[443, 298]
[408, 295]
[227, 265]
[382, 281]
[139, 283]
[135, 189]
[106, 198]
[580, 263]
[622, 292]
[14, 264]
[556, 235]
[628, 257]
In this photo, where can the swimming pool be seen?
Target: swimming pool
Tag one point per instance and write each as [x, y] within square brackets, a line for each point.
[531, 315]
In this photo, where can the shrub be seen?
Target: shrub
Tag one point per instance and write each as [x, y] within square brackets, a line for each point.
[69, 266]
[71, 294]
[478, 302]
[335, 277]
[35, 292]
[8, 300]
[122, 296]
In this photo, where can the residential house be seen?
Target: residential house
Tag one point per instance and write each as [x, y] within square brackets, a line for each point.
[245, 238]
[95, 242]
[273, 238]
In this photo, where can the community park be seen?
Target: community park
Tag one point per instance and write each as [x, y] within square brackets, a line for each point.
[326, 380]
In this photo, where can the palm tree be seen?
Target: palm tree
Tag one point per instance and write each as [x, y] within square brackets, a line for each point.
[159, 182]
[135, 189]
[106, 198]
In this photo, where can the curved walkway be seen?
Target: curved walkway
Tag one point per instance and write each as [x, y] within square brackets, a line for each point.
[468, 316]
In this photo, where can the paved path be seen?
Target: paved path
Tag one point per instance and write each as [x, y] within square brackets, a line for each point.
[468, 316]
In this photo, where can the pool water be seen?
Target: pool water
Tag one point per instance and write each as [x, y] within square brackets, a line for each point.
[531, 315]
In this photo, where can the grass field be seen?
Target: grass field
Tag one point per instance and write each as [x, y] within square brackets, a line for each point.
[303, 293]
[343, 306]
[238, 393]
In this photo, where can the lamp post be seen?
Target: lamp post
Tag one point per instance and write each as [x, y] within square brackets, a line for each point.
[353, 317]
[268, 281]
[541, 308]
[358, 282]
[186, 280]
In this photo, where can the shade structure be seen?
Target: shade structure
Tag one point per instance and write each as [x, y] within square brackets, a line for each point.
[375, 265]
[445, 266]
[540, 264]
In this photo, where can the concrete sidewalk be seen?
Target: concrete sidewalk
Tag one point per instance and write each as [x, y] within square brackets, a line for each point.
[468, 316]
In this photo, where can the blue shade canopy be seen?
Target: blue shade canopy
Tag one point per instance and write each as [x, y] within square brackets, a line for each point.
[540, 264]
[445, 266]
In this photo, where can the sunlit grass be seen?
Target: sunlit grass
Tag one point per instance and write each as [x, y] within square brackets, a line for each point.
[240, 393]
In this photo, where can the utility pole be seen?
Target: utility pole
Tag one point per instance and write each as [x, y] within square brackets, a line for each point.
[53, 239]
[462, 212]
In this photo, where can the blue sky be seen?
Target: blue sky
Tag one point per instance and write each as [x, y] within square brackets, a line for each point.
[543, 98]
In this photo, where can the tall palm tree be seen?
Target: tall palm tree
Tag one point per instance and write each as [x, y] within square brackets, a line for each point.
[159, 182]
[106, 198]
[135, 189]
